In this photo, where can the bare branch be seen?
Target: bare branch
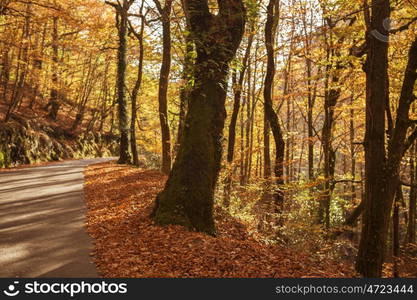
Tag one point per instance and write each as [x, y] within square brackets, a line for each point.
[116, 6]
[347, 180]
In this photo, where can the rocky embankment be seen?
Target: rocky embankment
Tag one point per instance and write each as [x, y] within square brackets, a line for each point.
[24, 141]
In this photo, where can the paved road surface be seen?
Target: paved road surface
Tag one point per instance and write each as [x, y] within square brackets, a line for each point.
[42, 216]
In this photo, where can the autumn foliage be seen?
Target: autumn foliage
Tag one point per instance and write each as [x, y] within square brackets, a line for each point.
[294, 121]
[128, 243]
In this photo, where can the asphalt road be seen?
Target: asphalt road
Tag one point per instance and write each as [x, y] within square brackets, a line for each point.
[42, 218]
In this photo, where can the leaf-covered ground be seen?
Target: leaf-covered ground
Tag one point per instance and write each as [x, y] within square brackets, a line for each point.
[129, 244]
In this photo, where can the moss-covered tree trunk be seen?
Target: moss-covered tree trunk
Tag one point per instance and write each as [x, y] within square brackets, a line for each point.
[185, 89]
[188, 196]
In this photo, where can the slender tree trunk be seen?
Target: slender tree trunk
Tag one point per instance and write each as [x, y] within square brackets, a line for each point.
[54, 101]
[136, 88]
[267, 147]
[232, 127]
[37, 67]
[332, 94]
[247, 125]
[411, 226]
[251, 125]
[5, 71]
[86, 91]
[242, 147]
[231, 141]
[288, 162]
[310, 98]
[165, 13]
[270, 29]
[310, 132]
[396, 229]
[352, 151]
[24, 65]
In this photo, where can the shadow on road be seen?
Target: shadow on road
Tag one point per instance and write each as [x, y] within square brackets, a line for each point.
[42, 215]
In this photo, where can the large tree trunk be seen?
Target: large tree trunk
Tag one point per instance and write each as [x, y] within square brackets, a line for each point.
[188, 196]
[381, 172]
[377, 208]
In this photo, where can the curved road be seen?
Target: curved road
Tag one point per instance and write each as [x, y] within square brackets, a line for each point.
[42, 217]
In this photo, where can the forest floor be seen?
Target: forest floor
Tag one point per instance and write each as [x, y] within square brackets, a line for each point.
[128, 243]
